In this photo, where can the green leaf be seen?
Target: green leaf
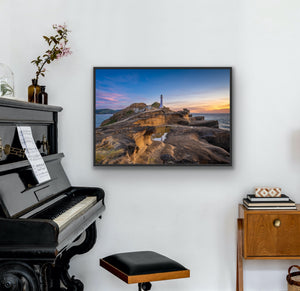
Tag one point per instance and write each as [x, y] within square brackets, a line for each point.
[6, 89]
[46, 38]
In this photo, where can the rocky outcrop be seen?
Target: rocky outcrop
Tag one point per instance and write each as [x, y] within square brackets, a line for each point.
[208, 123]
[160, 136]
[125, 113]
[147, 114]
[196, 118]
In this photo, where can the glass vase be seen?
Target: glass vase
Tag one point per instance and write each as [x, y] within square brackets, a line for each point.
[6, 81]
[33, 91]
[42, 96]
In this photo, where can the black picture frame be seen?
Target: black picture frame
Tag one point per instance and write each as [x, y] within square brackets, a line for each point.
[111, 138]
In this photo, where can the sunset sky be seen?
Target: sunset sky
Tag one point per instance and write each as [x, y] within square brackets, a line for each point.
[199, 90]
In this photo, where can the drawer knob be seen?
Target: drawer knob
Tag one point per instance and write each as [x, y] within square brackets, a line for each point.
[277, 223]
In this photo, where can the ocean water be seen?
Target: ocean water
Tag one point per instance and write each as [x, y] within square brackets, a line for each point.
[101, 117]
[224, 119]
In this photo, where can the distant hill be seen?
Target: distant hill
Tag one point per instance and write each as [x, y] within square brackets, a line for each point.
[106, 111]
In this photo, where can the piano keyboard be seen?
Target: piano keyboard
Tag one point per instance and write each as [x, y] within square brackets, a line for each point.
[64, 210]
[71, 214]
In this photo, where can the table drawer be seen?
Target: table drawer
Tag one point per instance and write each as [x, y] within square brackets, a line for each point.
[272, 235]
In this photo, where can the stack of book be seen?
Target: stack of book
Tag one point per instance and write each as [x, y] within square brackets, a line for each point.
[267, 203]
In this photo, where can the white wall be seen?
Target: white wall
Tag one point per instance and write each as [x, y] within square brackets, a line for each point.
[5, 24]
[186, 213]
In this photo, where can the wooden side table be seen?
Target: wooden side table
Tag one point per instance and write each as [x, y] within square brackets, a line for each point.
[266, 234]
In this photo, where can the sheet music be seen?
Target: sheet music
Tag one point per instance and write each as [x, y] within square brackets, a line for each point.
[32, 153]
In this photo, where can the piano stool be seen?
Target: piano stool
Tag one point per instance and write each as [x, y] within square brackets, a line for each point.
[143, 267]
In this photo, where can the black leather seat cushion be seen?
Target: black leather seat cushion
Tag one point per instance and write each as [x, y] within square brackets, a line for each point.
[144, 262]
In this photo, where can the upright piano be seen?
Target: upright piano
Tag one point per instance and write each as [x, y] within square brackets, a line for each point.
[42, 225]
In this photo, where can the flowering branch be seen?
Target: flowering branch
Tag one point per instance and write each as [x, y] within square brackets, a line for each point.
[57, 50]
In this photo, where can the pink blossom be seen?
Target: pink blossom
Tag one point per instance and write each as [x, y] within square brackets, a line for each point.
[64, 51]
[59, 27]
[62, 26]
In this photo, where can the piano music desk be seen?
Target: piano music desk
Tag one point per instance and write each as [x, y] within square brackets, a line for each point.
[266, 235]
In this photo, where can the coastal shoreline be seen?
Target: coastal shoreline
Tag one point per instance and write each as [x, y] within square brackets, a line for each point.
[222, 118]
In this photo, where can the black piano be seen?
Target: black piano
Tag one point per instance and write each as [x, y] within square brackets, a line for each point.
[42, 225]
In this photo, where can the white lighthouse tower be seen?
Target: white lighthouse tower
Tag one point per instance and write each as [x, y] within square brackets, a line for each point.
[161, 101]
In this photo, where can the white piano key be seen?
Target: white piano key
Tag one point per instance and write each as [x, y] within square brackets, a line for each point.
[64, 219]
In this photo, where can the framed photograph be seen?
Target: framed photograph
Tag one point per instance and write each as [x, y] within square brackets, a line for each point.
[166, 116]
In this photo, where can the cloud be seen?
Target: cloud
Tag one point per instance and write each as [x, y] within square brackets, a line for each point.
[105, 99]
[107, 96]
[202, 106]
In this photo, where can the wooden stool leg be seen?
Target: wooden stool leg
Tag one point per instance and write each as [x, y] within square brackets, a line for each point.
[239, 256]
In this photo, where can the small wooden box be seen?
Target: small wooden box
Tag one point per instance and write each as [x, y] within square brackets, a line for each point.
[267, 192]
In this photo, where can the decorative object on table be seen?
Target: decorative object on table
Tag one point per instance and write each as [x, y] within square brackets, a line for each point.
[162, 116]
[6, 81]
[57, 49]
[43, 96]
[267, 192]
[253, 202]
[293, 279]
[253, 198]
[33, 91]
[290, 204]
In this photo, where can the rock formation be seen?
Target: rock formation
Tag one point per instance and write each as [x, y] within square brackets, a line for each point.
[145, 134]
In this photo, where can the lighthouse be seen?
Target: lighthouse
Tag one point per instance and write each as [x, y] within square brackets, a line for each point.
[161, 101]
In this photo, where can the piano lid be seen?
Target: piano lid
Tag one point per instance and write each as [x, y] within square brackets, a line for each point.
[4, 102]
[20, 191]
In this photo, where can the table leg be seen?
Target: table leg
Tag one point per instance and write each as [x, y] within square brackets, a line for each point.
[239, 257]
